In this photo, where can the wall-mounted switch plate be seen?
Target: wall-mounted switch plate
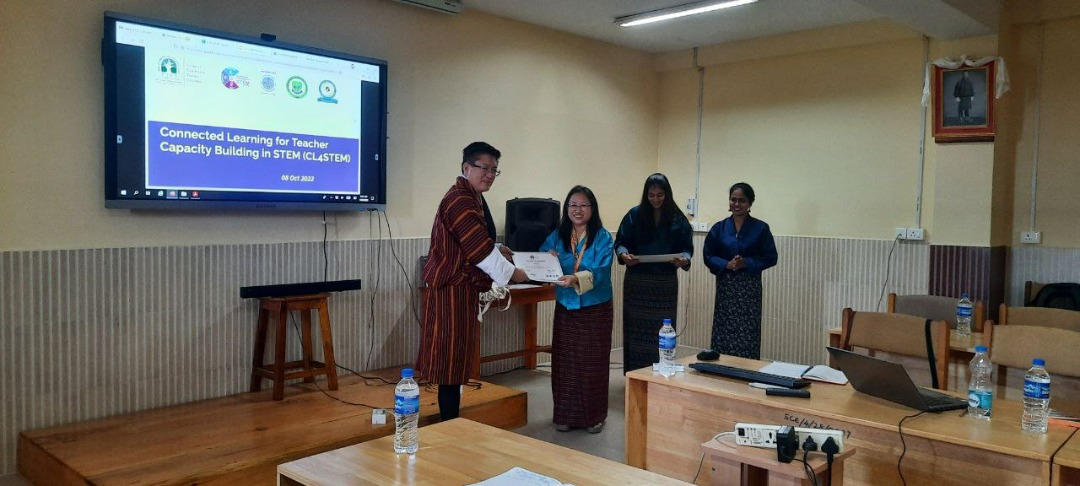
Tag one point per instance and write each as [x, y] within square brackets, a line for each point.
[1031, 237]
[915, 234]
[700, 226]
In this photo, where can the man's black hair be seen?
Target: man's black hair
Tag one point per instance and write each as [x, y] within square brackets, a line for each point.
[473, 151]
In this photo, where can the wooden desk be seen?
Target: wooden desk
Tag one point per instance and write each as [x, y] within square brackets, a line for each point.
[527, 298]
[667, 419]
[459, 452]
[1067, 463]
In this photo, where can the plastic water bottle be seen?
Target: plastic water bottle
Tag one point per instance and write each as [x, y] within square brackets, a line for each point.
[667, 349]
[980, 388]
[1036, 398]
[406, 414]
[963, 315]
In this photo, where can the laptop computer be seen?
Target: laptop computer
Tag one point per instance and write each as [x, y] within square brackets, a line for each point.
[889, 381]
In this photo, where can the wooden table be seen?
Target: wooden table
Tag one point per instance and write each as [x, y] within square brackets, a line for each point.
[527, 298]
[734, 464]
[667, 419]
[1067, 463]
[459, 452]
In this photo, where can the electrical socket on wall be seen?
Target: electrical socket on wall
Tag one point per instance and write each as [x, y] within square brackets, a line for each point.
[916, 234]
[1030, 237]
[699, 226]
[758, 435]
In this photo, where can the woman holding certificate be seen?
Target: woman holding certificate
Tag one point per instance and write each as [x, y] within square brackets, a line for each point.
[737, 250]
[581, 336]
[651, 289]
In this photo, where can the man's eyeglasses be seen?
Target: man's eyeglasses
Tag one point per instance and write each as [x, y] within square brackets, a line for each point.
[494, 171]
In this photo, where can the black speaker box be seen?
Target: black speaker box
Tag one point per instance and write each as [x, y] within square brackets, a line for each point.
[529, 221]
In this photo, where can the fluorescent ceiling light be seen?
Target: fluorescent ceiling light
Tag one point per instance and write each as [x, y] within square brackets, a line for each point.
[678, 11]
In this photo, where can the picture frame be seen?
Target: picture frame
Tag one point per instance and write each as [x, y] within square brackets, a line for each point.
[964, 104]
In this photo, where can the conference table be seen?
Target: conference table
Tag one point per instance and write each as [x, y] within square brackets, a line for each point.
[667, 420]
[458, 452]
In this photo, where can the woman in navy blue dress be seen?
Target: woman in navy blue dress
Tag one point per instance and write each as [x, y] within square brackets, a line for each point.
[737, 250]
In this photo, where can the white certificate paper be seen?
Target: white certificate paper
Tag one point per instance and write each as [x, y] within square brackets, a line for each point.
[540, 266]
[658, 258]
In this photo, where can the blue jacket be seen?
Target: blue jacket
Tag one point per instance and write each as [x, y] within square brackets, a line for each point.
[754, 242]
[597, 259]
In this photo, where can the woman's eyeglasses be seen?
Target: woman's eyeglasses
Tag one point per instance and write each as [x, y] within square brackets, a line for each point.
[580, 206]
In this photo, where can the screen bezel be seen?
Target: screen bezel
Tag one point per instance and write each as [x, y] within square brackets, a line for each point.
[252, 200]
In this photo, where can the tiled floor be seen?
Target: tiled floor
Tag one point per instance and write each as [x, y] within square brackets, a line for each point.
[609, 444]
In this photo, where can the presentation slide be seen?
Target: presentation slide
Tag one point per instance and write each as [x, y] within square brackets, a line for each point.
[229, 116]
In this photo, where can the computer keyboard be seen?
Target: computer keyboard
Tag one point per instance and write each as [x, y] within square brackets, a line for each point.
[749, 375]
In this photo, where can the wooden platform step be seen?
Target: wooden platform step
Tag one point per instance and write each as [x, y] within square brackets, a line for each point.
[238, 439]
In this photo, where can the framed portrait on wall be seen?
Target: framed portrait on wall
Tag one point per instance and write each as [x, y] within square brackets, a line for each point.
[964, 104]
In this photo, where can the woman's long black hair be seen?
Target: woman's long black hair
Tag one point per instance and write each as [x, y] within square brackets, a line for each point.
[646, 225]
[566, 227]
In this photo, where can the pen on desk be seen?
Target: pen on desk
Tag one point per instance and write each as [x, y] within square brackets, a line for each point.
[763, 386]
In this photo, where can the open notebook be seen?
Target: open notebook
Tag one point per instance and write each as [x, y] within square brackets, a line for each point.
[818, 373]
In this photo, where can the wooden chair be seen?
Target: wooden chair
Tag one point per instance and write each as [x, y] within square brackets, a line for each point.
[900, 334]
[935, 307]
[1039, 316]
[1012, 348]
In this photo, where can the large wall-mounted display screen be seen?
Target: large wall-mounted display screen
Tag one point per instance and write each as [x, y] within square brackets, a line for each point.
[196, 119]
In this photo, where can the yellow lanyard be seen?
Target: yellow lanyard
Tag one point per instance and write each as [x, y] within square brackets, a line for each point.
[574, 248]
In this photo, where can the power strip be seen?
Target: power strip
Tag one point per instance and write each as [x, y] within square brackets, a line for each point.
[764, 436]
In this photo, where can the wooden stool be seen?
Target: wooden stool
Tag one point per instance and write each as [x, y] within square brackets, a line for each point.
[737, 464]
[278, 371]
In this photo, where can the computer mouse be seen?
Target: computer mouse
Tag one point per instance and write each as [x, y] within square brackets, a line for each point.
[708, 355]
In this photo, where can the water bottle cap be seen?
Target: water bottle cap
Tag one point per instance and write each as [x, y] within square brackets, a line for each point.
[667, 321]
[963, 295]
[406, 373]
[1038, 362]
[980, 349]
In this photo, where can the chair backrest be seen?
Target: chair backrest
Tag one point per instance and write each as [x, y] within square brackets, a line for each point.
[899, 334]
[1055, 295]
[934, 307]
[1015, 346]
[1039, 316]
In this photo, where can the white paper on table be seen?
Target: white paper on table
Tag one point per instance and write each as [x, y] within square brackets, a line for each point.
[519, 477]
[540, 266]
[667, 257]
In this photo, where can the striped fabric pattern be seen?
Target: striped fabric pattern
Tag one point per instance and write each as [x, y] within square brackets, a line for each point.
[648, 299]
[581, 347]
[459, 239]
